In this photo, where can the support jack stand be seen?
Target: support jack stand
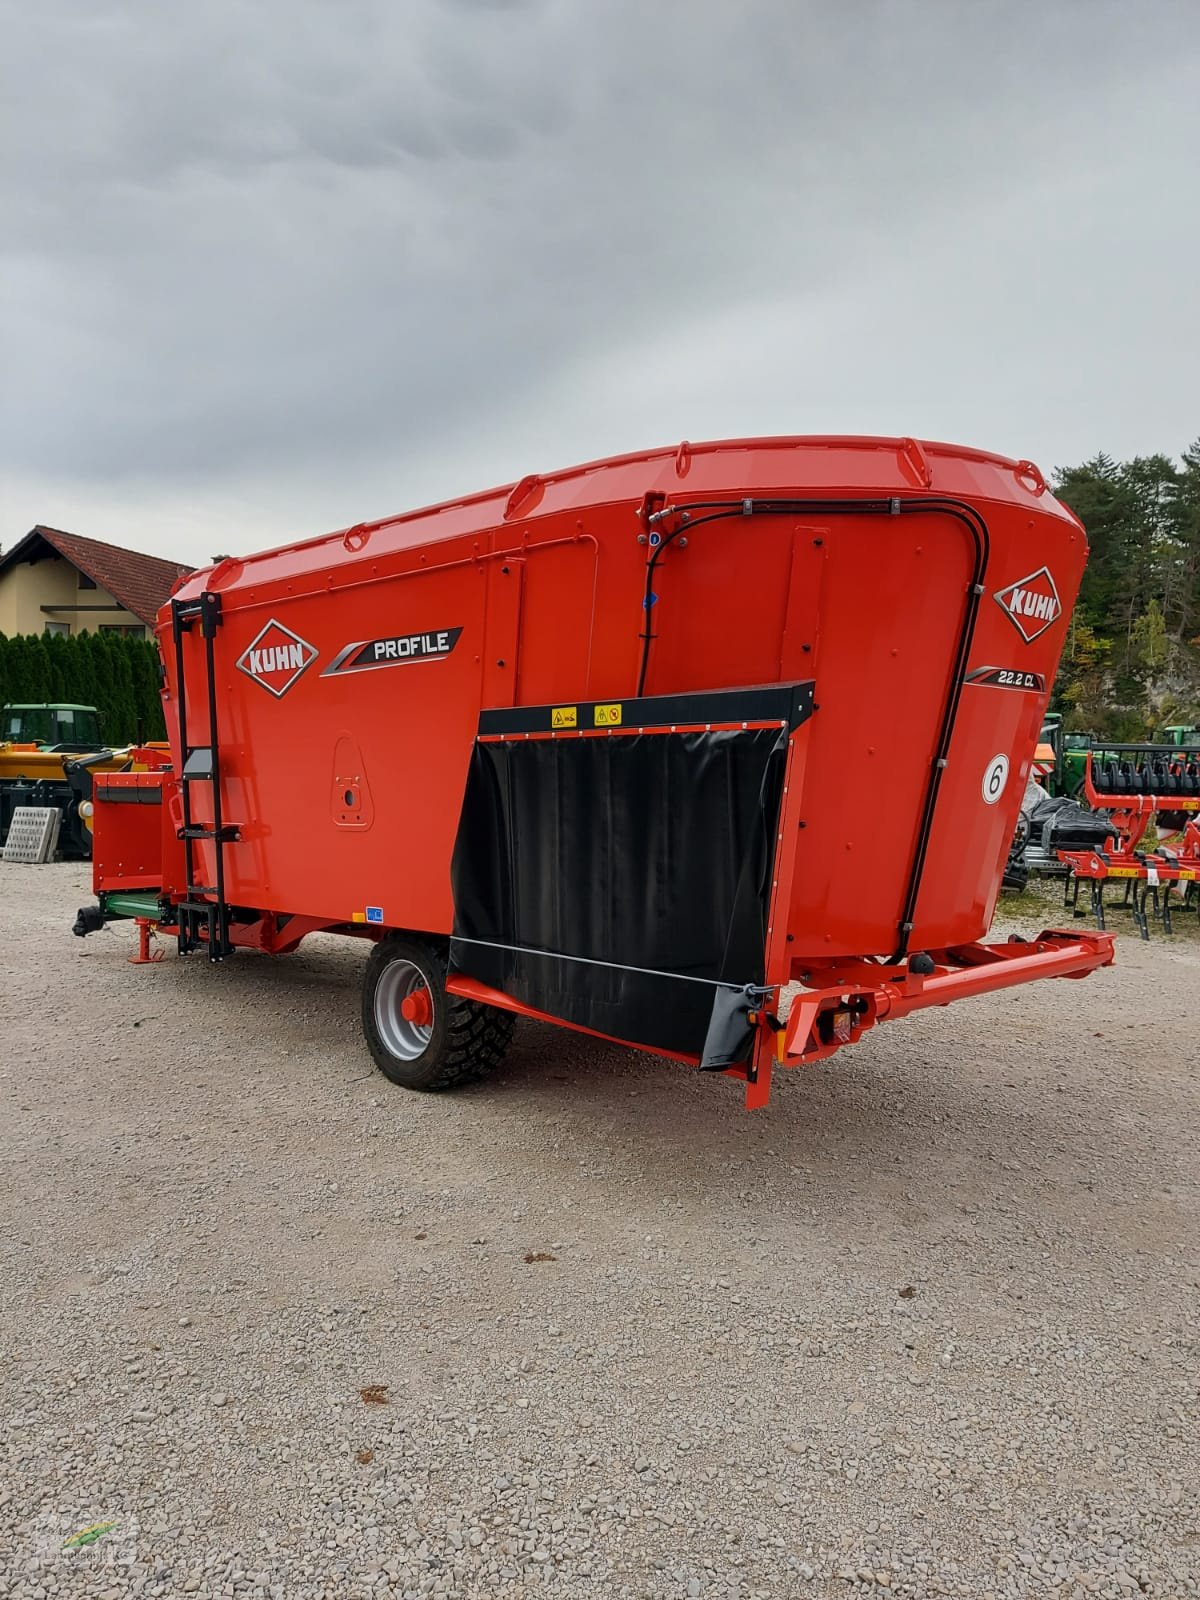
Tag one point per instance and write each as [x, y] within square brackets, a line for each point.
[145, 933]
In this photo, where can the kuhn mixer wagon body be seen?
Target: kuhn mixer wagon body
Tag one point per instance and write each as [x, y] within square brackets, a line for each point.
[630, 747]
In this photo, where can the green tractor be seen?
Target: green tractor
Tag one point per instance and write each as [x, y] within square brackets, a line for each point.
[39, 766]
[52, 727]
[1060, 756]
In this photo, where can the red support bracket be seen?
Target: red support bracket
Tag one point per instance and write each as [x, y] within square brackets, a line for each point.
[824, 1018]
[145, 955]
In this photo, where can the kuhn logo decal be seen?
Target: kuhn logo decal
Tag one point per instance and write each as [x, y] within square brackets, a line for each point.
[1031, 604]
[365, 654]
[276, 658]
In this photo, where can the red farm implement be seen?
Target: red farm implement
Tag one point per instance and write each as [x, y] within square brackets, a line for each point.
[632, 748]
[1135, 786]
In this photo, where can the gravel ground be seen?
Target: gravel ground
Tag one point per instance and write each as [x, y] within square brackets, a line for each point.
[926, 1326]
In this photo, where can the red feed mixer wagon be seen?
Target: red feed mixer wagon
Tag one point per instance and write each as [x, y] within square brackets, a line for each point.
[630, 748]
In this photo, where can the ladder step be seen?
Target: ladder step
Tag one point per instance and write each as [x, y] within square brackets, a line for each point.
[229, 834]
[199, 763]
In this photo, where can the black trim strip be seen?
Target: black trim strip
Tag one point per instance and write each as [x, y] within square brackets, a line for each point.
[130, 796]
[786, 703]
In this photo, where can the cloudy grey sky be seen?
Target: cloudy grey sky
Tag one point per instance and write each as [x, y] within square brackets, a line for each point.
[272, 266]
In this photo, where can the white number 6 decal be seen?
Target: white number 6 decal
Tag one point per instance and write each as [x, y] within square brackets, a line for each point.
[994, 779]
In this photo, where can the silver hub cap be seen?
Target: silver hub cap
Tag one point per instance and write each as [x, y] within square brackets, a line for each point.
[402, 1037]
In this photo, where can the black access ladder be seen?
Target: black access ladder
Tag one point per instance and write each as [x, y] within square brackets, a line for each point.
[204, 912]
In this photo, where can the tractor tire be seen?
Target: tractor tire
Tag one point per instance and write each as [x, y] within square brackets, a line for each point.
[436, 1041]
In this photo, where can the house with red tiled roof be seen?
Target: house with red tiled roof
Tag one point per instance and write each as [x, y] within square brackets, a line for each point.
[55, 582]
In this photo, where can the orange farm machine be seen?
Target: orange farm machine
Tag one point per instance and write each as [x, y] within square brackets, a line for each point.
[1132, 787]
[633, 748]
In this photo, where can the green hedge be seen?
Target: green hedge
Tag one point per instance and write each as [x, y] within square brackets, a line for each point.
[111, 671]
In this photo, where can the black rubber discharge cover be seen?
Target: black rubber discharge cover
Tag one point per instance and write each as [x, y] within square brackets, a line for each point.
[640, 849]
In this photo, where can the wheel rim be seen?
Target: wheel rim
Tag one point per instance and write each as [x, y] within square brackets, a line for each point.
[403, 1036]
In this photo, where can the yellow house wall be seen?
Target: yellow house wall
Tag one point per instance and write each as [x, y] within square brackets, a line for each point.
[28, 586]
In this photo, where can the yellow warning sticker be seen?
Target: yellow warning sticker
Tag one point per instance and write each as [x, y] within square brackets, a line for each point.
[564, 717]
[608, 716]
[1123, 872]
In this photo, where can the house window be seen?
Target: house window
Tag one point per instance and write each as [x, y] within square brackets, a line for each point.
[58, 628]
[85, 582]
[115, 627]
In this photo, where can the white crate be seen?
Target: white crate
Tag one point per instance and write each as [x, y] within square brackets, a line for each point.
[33, 834]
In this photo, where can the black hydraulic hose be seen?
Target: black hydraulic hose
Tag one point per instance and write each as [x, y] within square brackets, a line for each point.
[977, 527]
[81, 763]
[895, 505]
[717, 511]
